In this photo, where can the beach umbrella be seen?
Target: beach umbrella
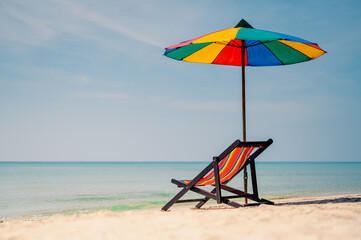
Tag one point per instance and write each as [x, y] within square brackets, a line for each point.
[245, 46]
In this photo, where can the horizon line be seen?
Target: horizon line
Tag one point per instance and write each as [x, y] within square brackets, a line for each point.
[172, 161]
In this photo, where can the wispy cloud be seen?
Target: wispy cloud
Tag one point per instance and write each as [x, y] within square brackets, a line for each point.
[39, 26]
[51, 19]
[213, 106]
[105, 22]
[82, 78]
[307, 109]
[99, 95]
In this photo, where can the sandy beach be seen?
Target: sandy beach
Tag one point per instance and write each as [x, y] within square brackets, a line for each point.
[337, 217]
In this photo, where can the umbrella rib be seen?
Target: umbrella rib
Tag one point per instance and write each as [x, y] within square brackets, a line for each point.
[227, 44]
[259, 43]
[234, 44]
[238, 44]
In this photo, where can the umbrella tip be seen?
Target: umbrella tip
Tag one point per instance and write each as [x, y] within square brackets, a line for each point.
[243, 23]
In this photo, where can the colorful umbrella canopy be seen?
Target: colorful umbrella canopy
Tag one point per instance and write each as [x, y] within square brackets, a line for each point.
[262, 48]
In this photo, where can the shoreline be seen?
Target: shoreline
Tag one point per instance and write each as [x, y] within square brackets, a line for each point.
[77, 211]
[332, 217]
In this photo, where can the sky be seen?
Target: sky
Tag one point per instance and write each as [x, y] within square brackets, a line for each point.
[87, 81]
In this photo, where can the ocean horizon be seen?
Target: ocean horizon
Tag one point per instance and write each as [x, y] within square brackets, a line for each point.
[37, 189]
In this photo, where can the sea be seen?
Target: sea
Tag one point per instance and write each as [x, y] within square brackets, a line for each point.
[40, 189]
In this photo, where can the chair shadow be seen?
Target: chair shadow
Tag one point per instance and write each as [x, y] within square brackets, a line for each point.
[324, 201]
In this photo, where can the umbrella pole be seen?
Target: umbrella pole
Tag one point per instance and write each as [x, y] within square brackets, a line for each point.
[245, 175]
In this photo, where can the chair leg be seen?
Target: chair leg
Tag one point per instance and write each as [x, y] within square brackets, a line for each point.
[265, 201]
[217, 181]
[186, 187]
[254, 178]
[232, 204]
[175, 199]
[203, 201]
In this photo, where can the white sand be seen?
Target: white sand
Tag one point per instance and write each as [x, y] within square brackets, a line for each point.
[328, 218]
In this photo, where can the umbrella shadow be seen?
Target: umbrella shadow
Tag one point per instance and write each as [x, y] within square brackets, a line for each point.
[324, 201]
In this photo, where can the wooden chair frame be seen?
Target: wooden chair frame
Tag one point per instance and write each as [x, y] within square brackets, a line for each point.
[216, 193]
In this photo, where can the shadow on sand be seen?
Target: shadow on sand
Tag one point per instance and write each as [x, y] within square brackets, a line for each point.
[324, 201]
[353, 199]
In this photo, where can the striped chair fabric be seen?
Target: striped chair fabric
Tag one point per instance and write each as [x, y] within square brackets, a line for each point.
[228, 166]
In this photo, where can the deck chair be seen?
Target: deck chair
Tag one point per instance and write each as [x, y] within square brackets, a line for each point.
[222, 170]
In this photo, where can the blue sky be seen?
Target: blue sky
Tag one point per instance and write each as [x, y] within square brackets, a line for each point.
[87, 81]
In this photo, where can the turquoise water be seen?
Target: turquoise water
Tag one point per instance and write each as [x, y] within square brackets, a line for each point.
[46, 188]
